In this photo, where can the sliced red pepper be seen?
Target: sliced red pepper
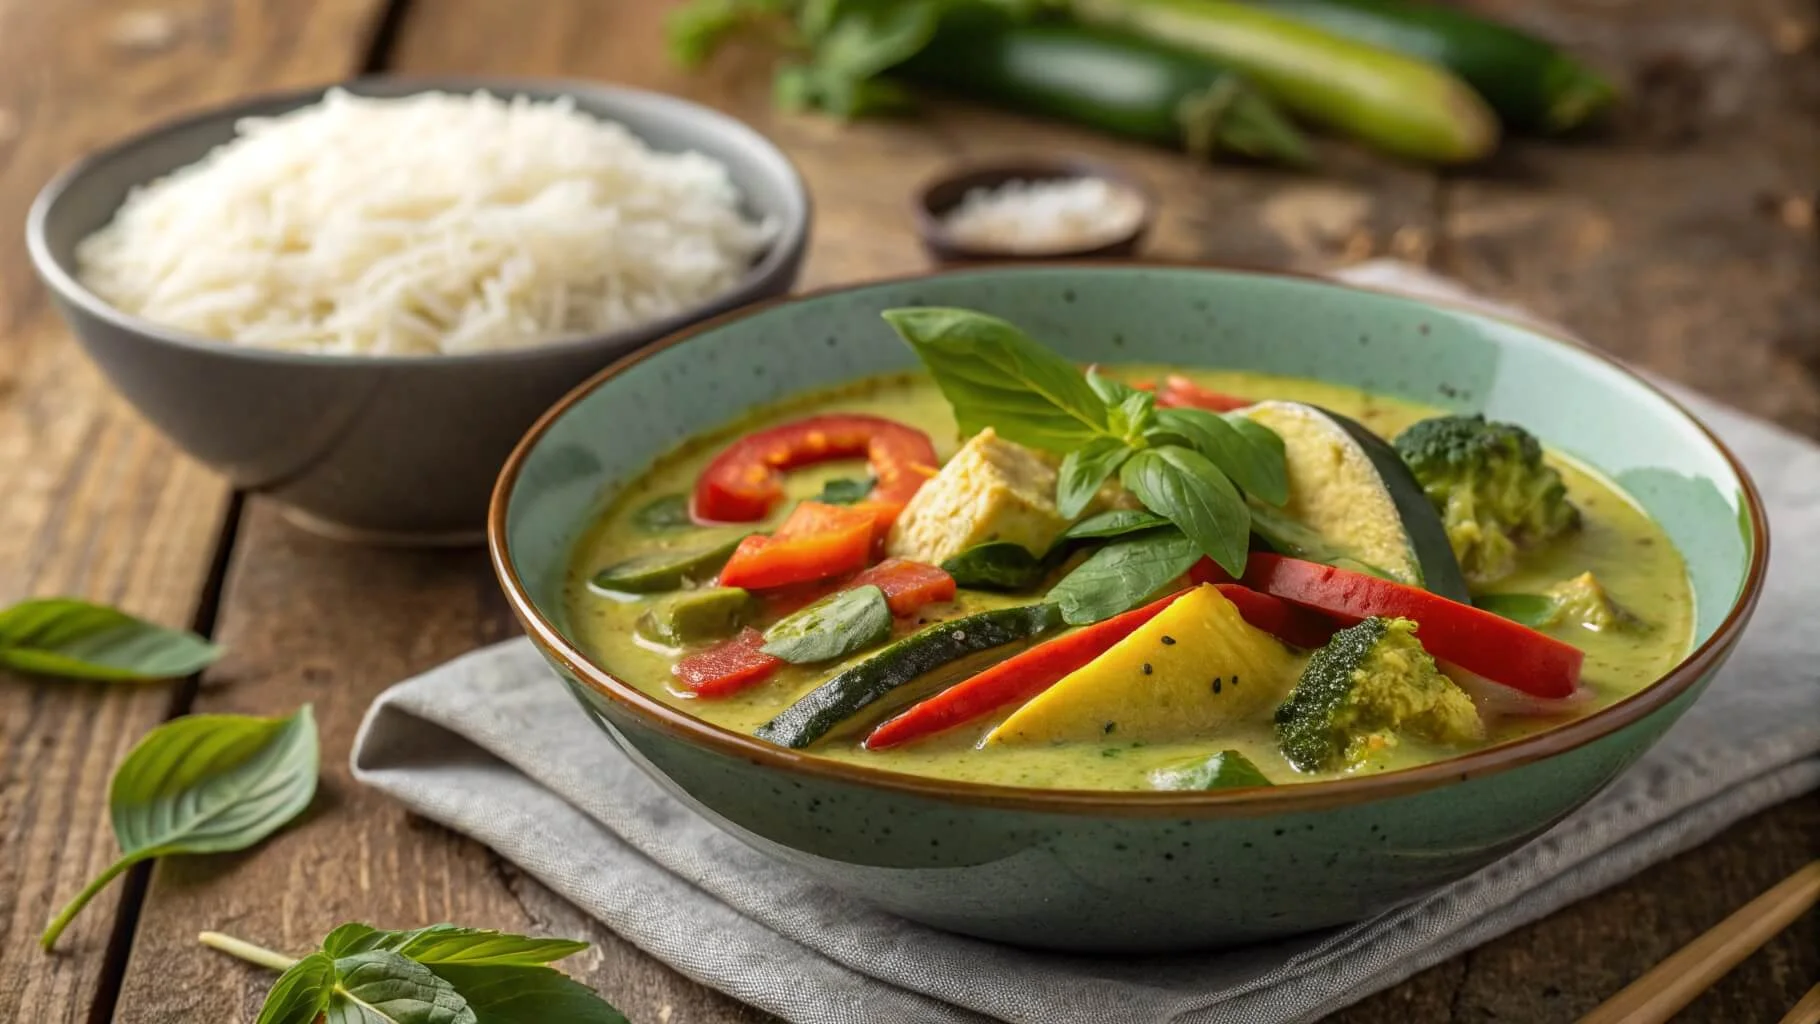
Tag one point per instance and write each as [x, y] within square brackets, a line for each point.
[1015, 679]
[1289, 623]
[743, 482]
[907, 585]
[1180, 392]
[1478, 641]
[1208, 571]
[816, 542]
[727, 667]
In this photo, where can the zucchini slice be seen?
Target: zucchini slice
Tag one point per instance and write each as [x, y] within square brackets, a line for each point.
[1352, 489]
[874, 680]
[665, 570]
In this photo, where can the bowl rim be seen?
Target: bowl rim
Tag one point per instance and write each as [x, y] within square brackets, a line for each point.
[789, 244]
[1247, 802]
[932, 226]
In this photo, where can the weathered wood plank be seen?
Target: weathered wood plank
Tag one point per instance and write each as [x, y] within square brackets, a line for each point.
[96, 505]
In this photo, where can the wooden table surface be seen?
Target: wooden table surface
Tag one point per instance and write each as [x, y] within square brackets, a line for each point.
[1686, 242]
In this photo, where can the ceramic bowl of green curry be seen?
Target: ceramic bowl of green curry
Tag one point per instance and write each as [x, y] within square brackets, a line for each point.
[1128, 607]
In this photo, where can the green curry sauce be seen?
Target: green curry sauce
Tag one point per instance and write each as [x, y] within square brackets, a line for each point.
[1619, 543]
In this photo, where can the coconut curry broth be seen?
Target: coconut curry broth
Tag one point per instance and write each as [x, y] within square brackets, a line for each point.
[1627, 551]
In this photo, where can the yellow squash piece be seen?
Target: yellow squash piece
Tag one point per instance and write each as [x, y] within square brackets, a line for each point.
[1192, 671]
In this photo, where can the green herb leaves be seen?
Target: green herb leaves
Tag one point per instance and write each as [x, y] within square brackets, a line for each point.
[1187, 466]
[1123, 575]
[65, 637]
[844, 491]
[835, 626]
[442, 974]
[670, 512]
[205, 784]
[994, 375]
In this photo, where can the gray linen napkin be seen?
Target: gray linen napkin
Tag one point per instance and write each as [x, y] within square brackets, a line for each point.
[493, 746]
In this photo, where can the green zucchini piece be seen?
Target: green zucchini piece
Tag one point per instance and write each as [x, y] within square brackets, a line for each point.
[1350, 488]
[840, 624]
[697, 616]
[670, 512]
[665, 570]
[876, 679]
[1227, 769]
[1532, 610]
[999, 565]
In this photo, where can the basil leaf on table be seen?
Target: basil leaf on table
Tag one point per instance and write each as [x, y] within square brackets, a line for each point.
[1085, 470]
[61, 636]
[1115, 523]
[382, 987]
[301, 993]
[442, 974]
[844, 491]
[204, 784]
[1244, 461]
[994, 375]
[1123, 575]
[1183, 485]
[835, 626]
[996, 565]
[450, 944]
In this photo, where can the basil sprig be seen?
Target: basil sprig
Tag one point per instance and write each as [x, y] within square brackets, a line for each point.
[1187, 466]
[204, 784]
[442, 974]
[60, 636]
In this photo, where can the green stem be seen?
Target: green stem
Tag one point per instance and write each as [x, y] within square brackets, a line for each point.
[246, 951]
[62, 920]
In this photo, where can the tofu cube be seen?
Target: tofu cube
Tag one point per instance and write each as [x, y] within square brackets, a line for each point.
[992, 490]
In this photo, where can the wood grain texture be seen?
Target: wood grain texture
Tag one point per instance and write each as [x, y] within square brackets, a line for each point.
[95, 504]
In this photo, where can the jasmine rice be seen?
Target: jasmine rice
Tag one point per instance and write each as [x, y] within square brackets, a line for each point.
[1047, 216]
[435, 223]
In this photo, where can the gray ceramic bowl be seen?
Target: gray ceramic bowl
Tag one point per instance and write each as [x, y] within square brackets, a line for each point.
[1140, 870]
[376, 448]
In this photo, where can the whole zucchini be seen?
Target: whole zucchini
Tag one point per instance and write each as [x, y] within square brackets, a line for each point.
[1534, 86]
[1114, 81]
[1396, 103]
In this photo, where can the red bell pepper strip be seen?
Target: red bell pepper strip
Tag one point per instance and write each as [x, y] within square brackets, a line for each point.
[1015, 679]
[727, 667]
[1478, 641]
[907, 585]
[1181, 392]
[743, 483]
[816, 542]
[1289, 623]
[1208, 571]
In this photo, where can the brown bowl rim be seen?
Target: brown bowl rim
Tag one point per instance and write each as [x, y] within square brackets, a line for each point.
[790, 244]
[943, 246]
[1249, 802]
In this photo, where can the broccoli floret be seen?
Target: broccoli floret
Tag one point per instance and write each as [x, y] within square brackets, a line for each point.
[1495, 494]
[1372, 682]
[1584, 602]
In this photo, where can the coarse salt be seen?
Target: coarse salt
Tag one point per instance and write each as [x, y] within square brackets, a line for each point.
[1056, 215]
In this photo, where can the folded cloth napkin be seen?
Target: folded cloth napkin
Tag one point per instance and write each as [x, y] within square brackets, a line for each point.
[493, 746]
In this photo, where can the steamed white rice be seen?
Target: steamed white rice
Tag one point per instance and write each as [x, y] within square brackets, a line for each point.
[432, 224]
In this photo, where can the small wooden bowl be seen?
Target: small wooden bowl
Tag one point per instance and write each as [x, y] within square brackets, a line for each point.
[937, 198]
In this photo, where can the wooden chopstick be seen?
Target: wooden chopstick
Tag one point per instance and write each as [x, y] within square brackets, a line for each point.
[1660, 994]
[1807, 1011]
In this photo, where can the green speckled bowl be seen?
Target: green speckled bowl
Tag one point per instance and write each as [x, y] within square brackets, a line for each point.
[1134, 871]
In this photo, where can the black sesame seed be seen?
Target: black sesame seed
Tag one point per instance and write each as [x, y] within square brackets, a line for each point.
[1109, 726]
[1168, 641]
[1147, 668]
[1235, 679]
[1217, 683]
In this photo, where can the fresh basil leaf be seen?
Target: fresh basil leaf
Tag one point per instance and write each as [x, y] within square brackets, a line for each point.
[1084, 471]
[64, 637]
[670, 512]
[868, 37]
[1532, 610]
[1275, 455]
[300, 994]
[1115, 523]
[1227, 769]
[695, 30]
[1110, 390]
[382, 987]
[999, 565]
[527, 995]
[1241, 459]
[450, 944]
[833, 627]
[1183, 485]
[1123, 575]
[844, 491]
[994, 375]
[1128, 409]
